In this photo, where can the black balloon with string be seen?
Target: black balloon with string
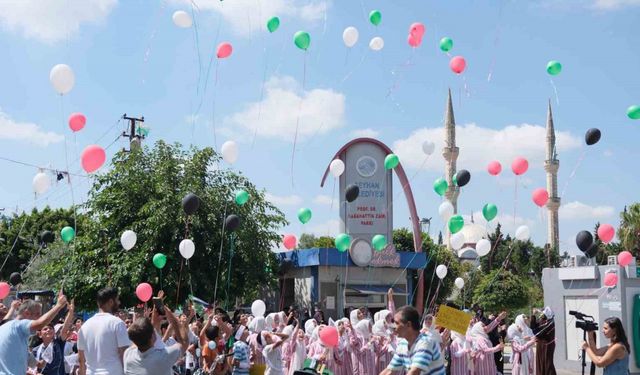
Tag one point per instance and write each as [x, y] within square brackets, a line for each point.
[584, 240]
[592, 251]
[15, 278]
[592, 136]
[190, 203]
[232, 222]
[352, 192]
[47, 236]
[463, 177]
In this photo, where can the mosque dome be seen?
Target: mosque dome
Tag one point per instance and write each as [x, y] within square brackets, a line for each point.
[473, 233]
[467, 253]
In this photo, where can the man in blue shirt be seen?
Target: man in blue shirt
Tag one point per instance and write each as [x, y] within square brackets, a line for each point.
[14, 334]
[416, 353]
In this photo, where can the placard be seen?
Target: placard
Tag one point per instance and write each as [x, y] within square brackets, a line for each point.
[453, 319]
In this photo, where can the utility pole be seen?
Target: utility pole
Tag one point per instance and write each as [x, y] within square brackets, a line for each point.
[134, 139]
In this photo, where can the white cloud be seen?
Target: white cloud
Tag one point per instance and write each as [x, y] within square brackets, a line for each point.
[245, 16]
[578, 210]
[324, 200]
[365, 133]
[328, 228]
[607, 153]
[478, 146]
[507, 222]
[321, 111]
[614, 4]
[287, 200]
[52, 20]
[26, 132]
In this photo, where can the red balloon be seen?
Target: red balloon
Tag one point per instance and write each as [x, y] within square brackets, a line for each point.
[4, 290]
[92, 158]
[611, 279]
[625, 258]
[414, 41]
[494, 168]
[77, 121]
[417, 30]
[519, 165]
[540, 196]
[224, 50]
[144, 291]
[606, 233]
[329, 336]
[289, 241]
[457, 64]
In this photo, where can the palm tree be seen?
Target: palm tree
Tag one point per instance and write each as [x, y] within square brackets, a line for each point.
[629, 231]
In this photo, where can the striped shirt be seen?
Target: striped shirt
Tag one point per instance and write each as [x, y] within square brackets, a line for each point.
[424, 355]
[241, 354]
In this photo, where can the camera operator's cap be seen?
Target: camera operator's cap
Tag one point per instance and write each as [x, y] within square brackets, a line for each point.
[548, 312]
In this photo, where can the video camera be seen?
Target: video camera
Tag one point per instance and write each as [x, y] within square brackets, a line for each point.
[584, 322]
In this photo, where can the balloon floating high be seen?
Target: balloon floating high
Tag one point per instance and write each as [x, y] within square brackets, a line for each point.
[289, 241]
[159, 260]
[128, 239]
[416, 32]
[592, 136]
[273, 24]
[463, 177]
[336, 167]
[458, 64]
[554, 67]
[47, 236]
[62, 78]
[187, 248]
[523, 233]
[92, 158]
[428, 147]
[489, 211]
[302, 40]
[352, 192]
[304, 215]
[457, 240]
[182, 19]
[494, 168]
[606, 232]
[224, 50]
[41, 183]
[440, 186]
[391, 161]
[77, 121]
[633, 112]
[67, 234]
[232, 222]
[379, 242]
[350, 36]
[229, 151]
[584, 239]
[540, 196]
[446, 44]
[15, 278]
[144, 291]
[242, 197]
[446, 210]
[483, 247]
[342, 242]
[190, 203]
[456, 222]
[519, 166]
[376, 44]
[375, 17]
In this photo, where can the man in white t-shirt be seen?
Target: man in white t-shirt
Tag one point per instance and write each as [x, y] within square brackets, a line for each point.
[103, 338]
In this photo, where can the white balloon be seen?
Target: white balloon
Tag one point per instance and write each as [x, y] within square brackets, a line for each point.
[182, 19]
[62, 78]
[459, 283]
[445, 210]
[457, 240]
[428, 147]
[483, 247]
[187, 248]
[336, 167]
[441, 271]
[128, 239]
[376, 43]
[258, 308]
[350, 36]
[523, 233]
[230, 152]
[41, 183]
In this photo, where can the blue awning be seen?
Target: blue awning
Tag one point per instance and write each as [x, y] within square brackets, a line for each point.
[333, 257]
[376, 289]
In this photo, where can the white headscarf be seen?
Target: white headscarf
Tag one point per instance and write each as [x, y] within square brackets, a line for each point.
[309, 326]
[271, 321]
[478, 333]
[257, 325]
[379, 329]
[458, 337]
[288, 330]
[431, 329]
[363, 330]
[526, 330]
[548, 312]
[513, 333]
[382, 315]
[354, 318]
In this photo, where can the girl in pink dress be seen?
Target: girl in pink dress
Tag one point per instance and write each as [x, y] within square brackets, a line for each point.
[460, 349]
[354, 318]
[522, 363]
[365, 348]
[386, 342]
[342, 353]
[483, 360]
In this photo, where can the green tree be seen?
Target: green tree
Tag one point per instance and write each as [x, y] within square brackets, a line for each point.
[325, 242]
[501, 290]
[143, 193]
[309, 241]
[629, 231]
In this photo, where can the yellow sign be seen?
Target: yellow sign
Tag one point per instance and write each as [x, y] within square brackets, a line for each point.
[453, 319]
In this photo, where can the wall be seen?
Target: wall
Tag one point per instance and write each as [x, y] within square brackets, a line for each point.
[590, 296]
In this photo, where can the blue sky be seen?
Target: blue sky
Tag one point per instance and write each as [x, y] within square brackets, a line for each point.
[130, 57]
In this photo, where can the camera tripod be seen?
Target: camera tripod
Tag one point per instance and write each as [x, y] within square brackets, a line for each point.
[592, 371]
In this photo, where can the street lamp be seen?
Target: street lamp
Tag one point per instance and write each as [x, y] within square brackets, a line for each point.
[424, 222]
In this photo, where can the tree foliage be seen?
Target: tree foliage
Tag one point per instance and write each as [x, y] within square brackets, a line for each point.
[629, 231]
[309, 241]
[500, 290]
[143, 193]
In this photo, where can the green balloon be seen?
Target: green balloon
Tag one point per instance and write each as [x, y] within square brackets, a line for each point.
[159, 260]
[446, 44]
[304, 215]
[273, 24]
[455, 179]
[379, 242]
[375, 17]
[456, 222]
[67, 234]
[391, 161]
[342, 242]
[241, 197]
[489, 211]
[440, 186]
[554, 67]
[634, 112]
[302, 39]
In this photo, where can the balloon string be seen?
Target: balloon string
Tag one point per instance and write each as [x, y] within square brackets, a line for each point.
[496, 41]
[264, 80]
[196, 41]
[515, 200]
[213, 108]
[66, 158]
[295, 138]
[364, 55]
[555, 90]
[573, 172]
[147, 52]
[179, 280]
[224, 222]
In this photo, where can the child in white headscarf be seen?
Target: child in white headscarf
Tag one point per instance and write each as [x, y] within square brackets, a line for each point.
[483, 360]
[461, 362]
[522, 321]
[522, 363]
[386, 343]
[294, 350]
[342, 352]
[365, 348]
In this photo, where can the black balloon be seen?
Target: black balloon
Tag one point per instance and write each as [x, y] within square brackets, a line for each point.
[15, 278]
[47, 236]
[232, 222]
[190, 203]
[592, 136]
[352, 193]
[591, 251]
[463, 177]
[584, 240]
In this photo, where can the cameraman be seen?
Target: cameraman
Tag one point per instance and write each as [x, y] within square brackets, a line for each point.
[613, 357]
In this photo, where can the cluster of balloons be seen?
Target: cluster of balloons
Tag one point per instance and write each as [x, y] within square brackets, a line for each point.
[416, 32]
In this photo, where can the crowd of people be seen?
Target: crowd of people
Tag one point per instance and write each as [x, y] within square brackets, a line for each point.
[158, 341]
